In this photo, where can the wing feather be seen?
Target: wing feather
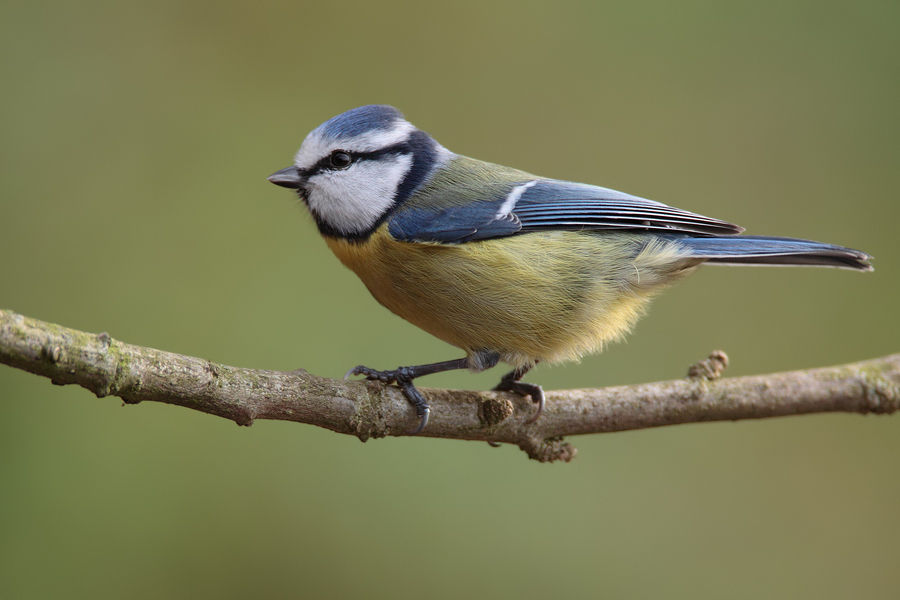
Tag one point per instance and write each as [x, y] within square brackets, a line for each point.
[546, 205]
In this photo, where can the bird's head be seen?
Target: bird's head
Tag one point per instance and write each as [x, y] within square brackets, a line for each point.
[353, 170]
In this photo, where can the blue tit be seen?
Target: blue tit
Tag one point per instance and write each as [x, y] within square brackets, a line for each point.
[505, 265]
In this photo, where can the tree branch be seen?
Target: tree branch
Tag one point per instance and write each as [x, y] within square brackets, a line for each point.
[370, 409]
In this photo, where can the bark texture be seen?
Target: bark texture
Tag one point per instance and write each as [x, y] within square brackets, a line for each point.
[370, 409]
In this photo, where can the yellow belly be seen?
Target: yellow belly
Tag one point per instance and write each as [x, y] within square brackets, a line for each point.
[549, 296]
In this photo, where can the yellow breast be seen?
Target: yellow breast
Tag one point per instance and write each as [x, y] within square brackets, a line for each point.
[548, 296]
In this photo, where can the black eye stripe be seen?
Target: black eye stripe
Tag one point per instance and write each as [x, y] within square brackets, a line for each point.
[325, 164]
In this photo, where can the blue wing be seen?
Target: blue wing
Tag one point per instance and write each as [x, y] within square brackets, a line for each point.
[547, 204]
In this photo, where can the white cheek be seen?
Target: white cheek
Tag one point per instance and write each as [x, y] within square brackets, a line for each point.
[353, 200]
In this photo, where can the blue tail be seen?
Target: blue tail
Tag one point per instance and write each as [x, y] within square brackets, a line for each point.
[759, 250]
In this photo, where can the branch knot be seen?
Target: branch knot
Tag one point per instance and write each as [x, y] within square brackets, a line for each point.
[882, 396]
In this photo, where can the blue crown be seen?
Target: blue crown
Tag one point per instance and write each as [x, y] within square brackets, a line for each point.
[361, 120]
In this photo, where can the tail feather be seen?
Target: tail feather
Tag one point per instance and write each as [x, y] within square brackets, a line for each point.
[760, 250]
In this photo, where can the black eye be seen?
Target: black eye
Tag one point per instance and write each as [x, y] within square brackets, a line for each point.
[340, 159]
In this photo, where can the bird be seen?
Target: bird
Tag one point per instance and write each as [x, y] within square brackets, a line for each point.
[502, 264]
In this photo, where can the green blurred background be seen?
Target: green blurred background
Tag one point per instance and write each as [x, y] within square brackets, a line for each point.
[135, 139]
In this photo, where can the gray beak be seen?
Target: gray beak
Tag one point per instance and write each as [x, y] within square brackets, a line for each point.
[289, 178]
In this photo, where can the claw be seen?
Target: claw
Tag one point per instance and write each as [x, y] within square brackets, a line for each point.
[417, 400]
[425, 413]
[537, 396]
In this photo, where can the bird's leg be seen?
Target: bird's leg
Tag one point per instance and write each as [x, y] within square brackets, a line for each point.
[511, 383]
[403, 377]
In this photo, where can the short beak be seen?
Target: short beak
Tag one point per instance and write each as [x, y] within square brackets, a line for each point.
[289, 178]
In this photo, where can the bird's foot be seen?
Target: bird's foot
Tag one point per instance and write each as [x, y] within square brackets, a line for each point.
[403, 377]
[394, 376]
[510, 383]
